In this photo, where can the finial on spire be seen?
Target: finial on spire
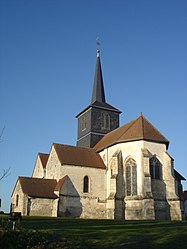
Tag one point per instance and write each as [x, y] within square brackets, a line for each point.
[98, 46]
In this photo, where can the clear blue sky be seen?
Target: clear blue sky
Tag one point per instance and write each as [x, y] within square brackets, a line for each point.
[47, 64]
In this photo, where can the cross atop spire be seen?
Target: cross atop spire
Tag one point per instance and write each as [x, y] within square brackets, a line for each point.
[98, 46]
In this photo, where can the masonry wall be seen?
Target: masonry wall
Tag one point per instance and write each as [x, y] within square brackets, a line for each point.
[73, 201]
[40, 207]
[155, 199]
[53, 167]
[22, 200]
[38, 171]
[90, 125]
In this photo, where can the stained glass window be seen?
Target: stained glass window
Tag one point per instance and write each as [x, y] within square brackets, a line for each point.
[155, 168]
[131, 177]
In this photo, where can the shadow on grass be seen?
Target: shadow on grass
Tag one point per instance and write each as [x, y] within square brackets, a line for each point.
[111, 234]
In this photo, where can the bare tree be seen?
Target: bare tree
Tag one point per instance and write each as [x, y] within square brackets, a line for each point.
[6, 172]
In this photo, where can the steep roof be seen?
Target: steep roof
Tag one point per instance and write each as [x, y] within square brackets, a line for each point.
[100, 105]
[98, 93]
[38, 187]
[60, 183]
[178, 176]
[78, 156]
[43, 157]
[138, 129]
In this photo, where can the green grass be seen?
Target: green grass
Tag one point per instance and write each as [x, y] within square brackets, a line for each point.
[78, 233]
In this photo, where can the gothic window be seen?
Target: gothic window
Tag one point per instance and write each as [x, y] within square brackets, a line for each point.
[105, 121]
[131, 177]
[155, 168]
[17, 200]
[86, 184]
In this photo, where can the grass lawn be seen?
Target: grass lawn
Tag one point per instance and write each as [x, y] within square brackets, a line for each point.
[78, 233]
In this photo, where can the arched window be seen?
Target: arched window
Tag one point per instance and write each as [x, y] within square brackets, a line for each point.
[86, 184]
[17, 200]
[155, 168]
[131, 177]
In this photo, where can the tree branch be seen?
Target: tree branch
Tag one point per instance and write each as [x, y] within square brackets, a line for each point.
[6, 173]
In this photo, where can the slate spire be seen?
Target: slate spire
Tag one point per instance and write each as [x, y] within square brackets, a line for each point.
[99, 118]
[98, 93]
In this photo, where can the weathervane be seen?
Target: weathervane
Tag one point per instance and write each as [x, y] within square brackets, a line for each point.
[98, 45]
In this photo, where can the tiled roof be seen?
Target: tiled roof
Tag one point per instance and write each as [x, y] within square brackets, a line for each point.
[38, 187]
[138, 129]
[60, 183]
[43, 158]
[78, 156]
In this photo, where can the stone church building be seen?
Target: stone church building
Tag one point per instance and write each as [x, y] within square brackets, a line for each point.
[113, 172]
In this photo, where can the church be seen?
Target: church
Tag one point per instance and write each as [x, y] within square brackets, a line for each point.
[114, 172]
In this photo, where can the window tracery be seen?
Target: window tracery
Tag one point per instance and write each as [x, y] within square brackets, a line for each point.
[155, 168]
[131, 177]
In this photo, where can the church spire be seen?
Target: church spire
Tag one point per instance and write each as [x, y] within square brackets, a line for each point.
[98, 93]
[99, 117]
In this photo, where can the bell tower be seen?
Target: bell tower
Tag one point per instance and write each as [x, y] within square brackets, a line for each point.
[99, 117]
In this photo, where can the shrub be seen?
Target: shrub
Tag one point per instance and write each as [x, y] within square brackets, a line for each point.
[26, 239]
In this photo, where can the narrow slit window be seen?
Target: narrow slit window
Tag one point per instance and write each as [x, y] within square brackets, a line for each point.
[17, 200]
[86, 184]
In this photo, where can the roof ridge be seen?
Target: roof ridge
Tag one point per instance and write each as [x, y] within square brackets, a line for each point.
[133, 122]
[137, 129]
[41, 153]
[142, 117]
[74, 146]
[60, 183]
[78, 156]
[119, 128]
[156, 129]
[35, 178]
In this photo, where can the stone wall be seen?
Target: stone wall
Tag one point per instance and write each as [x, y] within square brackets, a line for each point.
[38, 171]
[53, 166]
[156, 199]
[21, 204]
[74, 201]
[40, 207]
